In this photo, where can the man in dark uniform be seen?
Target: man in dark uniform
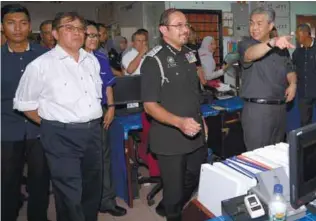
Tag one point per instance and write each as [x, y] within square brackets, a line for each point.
[20, 140]
[304, 59]
[268, 81]
[170, 95]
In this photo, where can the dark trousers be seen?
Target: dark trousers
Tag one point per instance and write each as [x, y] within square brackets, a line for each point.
[13, 157]
[263, 124]
[180, 177]
[306, 106]
[74, 160]
[108, 194]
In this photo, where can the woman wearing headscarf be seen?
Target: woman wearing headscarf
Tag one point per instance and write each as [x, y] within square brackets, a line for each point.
[206, 52]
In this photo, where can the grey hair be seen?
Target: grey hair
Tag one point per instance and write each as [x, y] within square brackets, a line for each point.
[304, 28]
[268, 11]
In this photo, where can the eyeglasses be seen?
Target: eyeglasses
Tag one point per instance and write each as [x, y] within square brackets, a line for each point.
[71, 28]
[181, 26]
[92, 35]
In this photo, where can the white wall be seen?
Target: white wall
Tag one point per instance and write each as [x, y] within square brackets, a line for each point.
[41, 11]
[207, 5]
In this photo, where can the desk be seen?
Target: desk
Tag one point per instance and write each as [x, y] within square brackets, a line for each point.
[308, 217]
[120, 151]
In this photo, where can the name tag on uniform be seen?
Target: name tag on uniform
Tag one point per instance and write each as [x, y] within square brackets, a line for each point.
[190, 57]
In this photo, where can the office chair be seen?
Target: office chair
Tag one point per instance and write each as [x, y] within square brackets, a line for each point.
[147, 159]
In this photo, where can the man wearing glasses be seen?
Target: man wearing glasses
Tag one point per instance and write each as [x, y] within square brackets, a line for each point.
[171, 97]
[61, 91]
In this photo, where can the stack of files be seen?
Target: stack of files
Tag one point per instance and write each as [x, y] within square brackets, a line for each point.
[222, 181]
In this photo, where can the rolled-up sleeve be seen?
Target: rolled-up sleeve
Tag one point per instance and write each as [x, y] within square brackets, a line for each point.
[29, 89]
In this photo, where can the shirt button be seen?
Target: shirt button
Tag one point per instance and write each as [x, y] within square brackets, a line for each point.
[22, 70]
[90, 105]
[85, 92]
[177, 73]
[81, 78]
[21, 58]
[25, 121]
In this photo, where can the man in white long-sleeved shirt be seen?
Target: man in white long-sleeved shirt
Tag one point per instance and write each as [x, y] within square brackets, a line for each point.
[133, 58]
[61, 90]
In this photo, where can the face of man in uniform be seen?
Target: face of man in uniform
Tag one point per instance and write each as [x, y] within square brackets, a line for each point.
[177, 31]
[260, 27]
[47, 37]
[70, 34]
[16, 27]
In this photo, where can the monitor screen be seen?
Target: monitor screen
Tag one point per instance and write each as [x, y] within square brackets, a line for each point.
[302, 143]
[127, 89]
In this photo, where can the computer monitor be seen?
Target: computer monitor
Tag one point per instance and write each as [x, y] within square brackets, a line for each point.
[127, 89]
[302, 162]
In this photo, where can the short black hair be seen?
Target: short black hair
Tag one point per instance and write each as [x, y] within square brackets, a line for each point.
[100, 25]
[14, 8]
[125, 40]
[46, 22]
[143, 30]
[72, 15]
[304, 28]
[92, 23]
[139, 32]
[164, 18]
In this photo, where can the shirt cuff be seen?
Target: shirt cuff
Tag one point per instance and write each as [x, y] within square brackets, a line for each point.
[24, 105]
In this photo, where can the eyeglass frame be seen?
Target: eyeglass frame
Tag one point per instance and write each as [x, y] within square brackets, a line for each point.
[71, 28]
[180, 26]
[94, 35]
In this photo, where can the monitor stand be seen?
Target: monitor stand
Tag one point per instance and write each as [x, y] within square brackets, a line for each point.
[264, 190]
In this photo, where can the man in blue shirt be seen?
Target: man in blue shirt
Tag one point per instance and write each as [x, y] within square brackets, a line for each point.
[304, 59]
[19, 136]
[108, 203]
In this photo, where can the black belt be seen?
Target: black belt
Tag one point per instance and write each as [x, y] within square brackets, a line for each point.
[264, 101]
[85, 125]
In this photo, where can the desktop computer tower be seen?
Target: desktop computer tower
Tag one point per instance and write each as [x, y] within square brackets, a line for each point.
[225, 134]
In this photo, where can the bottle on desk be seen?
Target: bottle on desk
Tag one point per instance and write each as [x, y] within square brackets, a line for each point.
[277, 205]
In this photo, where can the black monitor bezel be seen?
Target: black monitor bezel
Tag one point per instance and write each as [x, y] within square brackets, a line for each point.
[295, 153]
[126, 78]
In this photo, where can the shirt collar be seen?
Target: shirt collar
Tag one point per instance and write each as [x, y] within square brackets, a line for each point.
[62, 54]
[312, 44]
[28, 48]
[172, 49]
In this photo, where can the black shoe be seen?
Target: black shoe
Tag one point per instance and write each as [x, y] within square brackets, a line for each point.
[116, 211]
[160, 210]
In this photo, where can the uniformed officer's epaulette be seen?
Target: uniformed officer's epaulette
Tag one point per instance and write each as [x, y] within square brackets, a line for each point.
[154, 51]
[188, 47]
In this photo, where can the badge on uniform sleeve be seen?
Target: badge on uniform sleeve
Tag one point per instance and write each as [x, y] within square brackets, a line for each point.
[190, 57]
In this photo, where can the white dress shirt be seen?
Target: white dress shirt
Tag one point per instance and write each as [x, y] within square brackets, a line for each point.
[127, 58]
[60, 88]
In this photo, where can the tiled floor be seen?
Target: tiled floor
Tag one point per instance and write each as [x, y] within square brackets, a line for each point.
[140, 212]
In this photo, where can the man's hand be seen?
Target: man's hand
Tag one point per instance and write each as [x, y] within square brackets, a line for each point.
[108, 118]
[144, 50]
[205, 129]
[225, 67]
[290, 92]
[189, 126]
[201, 75]
[282, 42]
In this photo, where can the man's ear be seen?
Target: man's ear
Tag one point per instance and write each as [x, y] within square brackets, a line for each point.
[271, 25]
[55, 34]
[163, 29]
